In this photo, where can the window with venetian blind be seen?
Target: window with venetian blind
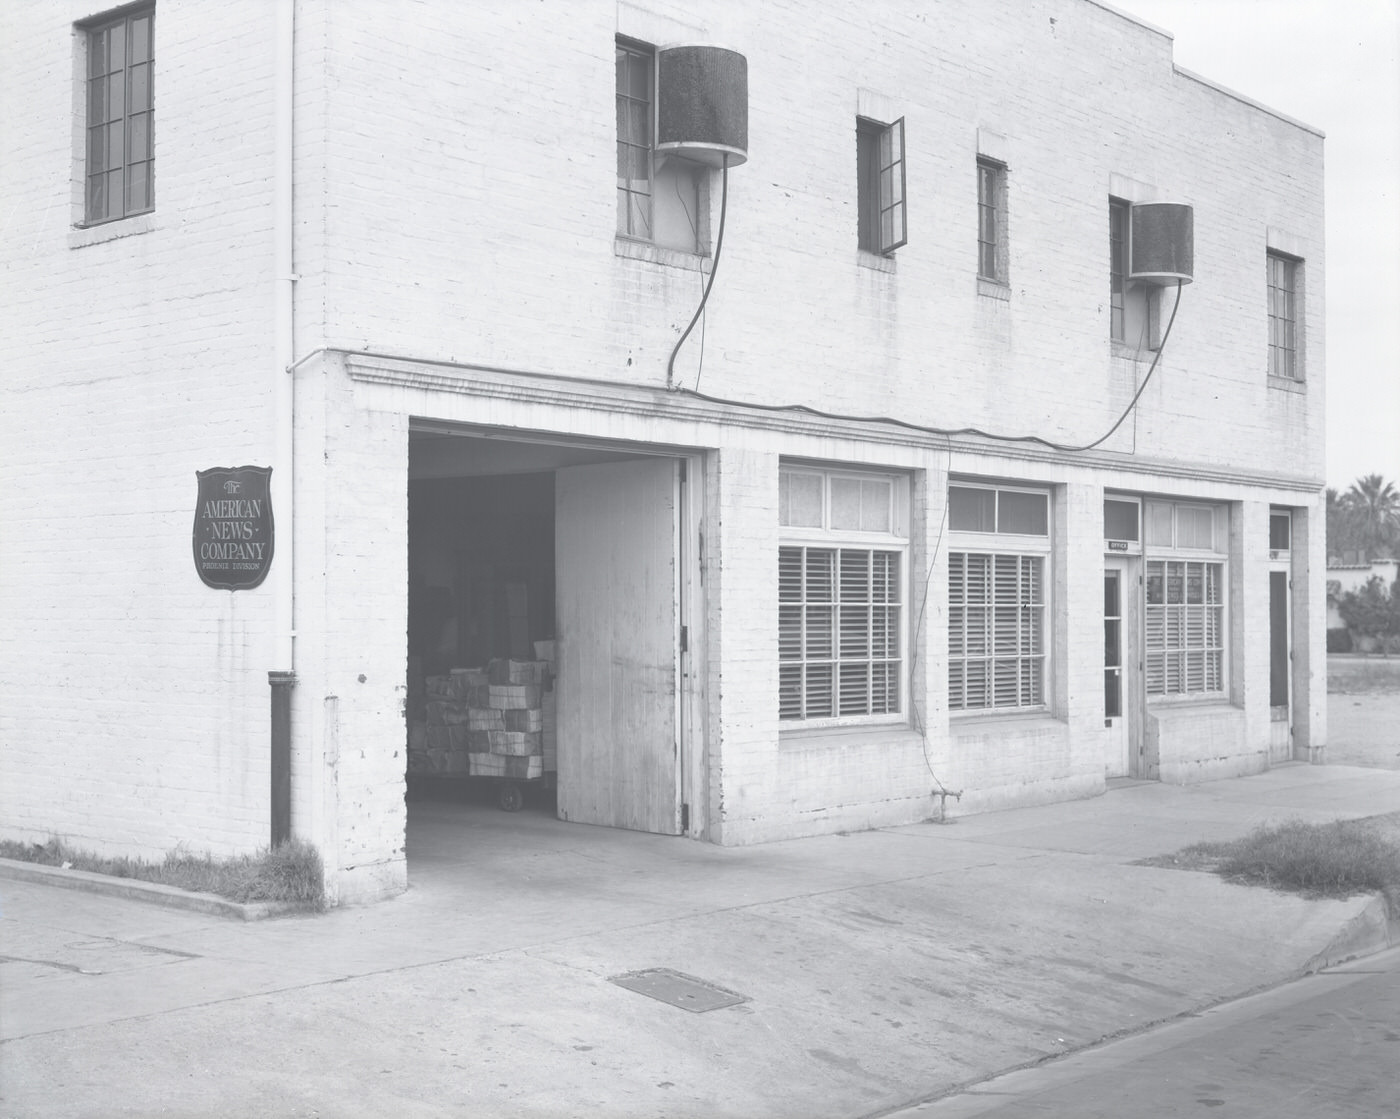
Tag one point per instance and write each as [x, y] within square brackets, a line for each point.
[1184, 611]
[997, 598]
[841, 597]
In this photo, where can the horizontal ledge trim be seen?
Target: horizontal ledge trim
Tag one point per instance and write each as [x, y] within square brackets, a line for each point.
[556, 390]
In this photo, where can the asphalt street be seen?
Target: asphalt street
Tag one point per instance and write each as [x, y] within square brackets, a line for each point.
[1322, 1046]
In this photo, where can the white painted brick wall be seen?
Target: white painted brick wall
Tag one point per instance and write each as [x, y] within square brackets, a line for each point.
[455, 202]
[133, 699]
[473, 217]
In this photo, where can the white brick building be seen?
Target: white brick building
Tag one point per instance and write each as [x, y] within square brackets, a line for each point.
[423, 262]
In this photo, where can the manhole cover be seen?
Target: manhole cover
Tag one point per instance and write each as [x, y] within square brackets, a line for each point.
[684, 991]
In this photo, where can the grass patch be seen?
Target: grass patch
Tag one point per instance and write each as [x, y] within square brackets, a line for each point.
[290, 872]
[1334, 860]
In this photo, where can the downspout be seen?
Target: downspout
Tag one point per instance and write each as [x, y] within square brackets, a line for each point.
[282, 678]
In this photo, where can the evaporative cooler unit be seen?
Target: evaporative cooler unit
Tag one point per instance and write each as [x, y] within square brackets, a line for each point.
[1160, 242]
[702, 105]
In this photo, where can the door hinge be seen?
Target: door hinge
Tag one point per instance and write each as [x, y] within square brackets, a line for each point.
[685, 817]
[685, 639]
[701, 556]
[683, 466]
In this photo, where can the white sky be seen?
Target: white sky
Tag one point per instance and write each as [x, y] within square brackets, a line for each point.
[1333, 64]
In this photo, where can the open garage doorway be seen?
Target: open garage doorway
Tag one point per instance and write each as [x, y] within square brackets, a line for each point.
[550, 631]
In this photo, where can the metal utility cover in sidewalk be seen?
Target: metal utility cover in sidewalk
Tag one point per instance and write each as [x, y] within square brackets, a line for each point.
[684, 991]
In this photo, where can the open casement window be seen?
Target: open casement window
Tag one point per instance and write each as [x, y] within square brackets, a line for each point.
[119, 159]
[1283, 317]
[841, 598]
[1133, 305]
[660, 198]
[997, 598]
[1184, 591]
[880, 185]
[1280, 533]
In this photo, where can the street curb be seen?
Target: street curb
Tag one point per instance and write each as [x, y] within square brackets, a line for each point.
[1374, 929]
[153, 893]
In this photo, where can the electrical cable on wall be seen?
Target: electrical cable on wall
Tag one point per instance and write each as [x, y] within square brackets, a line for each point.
[695, 236]
[942, 791]
[714, 268]
[807, 409]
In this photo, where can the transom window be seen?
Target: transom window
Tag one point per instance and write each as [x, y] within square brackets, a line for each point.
[1120, 520]
[841, 596]
[1182, 525]
[997, 597]
[1184, 627]
[120, 154]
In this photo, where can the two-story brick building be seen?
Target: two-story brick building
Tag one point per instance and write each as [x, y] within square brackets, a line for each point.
[992, 464]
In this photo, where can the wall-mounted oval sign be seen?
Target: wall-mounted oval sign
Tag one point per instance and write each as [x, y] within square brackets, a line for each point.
[233, 526]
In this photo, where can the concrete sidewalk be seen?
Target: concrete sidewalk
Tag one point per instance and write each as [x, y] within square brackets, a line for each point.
[877, 969]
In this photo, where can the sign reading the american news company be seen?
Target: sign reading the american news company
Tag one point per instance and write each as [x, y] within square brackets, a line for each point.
[233, 526]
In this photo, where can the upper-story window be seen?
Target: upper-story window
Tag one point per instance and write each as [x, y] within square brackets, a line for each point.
[880, 185]
[636, 71]
[659, 196]
[1284, 300]
[991, 221]
[1133, 305]
[119, 164]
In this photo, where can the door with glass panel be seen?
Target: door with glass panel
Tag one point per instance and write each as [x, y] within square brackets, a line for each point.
[1122, 696]
[1280, 637]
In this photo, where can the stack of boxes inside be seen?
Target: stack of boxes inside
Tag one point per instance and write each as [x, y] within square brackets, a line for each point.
[496, 721]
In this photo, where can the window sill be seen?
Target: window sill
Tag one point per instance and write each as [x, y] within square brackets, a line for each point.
[993, 289]
[1287, 384]
[875, 262]
[81, 236]
[654, 254]
[834, 738]
[1131, 353]
[1190, 704]
[987, 722]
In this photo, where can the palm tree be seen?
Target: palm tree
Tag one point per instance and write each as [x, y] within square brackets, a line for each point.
[1373, 508]
[1338, 525]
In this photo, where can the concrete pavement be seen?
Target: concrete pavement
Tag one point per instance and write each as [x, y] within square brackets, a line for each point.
[1320, 1046]
[878, 968]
